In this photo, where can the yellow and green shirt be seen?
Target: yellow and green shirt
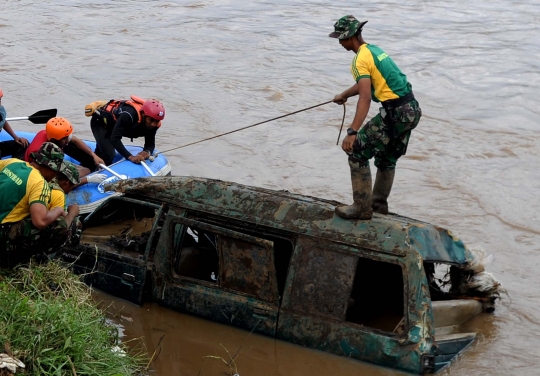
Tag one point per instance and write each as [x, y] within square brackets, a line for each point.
[21, 185]
[387, 81]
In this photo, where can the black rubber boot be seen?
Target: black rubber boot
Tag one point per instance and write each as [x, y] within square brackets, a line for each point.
[381, 190]
[361, 186]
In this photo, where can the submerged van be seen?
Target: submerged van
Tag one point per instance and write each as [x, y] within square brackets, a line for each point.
[391, 291]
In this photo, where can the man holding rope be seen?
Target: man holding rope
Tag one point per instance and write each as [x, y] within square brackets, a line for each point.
[386, 135]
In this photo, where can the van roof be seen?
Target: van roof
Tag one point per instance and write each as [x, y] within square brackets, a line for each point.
[282, 210]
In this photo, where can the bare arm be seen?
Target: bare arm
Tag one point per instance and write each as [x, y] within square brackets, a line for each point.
[20, 140]
[82, 146]
[41, 217]
[362, 108]
[350, 92]
[73, 211]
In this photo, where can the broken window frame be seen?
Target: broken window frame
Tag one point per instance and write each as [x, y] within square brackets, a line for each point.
[154, 233]
[454, 277]
[218, 230]
[359, 252]
[180, 234]
[113, 270]
[405, 319]
[266, 233]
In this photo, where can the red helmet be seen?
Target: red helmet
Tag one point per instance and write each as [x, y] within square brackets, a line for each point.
[1, 93]
[154, 109]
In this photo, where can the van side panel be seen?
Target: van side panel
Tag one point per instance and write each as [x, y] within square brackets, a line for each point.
[347, 340]
[247, 299]
[221, 306]
[318, 320]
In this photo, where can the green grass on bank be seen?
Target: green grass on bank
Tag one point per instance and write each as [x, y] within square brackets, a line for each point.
[50, 322]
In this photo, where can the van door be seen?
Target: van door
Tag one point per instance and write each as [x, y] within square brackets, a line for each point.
[217, 273]
[115, 246]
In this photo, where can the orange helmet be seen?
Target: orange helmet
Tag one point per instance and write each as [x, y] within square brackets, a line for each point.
[58, 128]
[1, 93]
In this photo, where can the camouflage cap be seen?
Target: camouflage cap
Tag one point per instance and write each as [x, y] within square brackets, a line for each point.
[71, 172]
[50, 155]
[346, 27]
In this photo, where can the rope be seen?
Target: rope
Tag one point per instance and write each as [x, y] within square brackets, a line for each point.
[342, 122]
[253, 125]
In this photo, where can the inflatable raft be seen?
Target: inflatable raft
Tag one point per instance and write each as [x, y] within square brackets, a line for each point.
[91, 195]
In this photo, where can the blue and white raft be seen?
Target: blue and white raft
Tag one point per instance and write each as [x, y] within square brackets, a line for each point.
[91, 195]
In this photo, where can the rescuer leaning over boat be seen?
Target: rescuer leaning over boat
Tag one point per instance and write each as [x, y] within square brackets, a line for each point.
[133, 118]
[384, 137]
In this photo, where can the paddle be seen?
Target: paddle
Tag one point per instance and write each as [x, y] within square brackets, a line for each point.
[40, 117]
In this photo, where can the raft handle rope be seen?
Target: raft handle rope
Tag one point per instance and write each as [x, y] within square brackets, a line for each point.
[253, 125]
[147, 168]
[111, 171]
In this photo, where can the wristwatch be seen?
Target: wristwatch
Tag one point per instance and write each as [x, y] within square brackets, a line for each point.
[351, 132]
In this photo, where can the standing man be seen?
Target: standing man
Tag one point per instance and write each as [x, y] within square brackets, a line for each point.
[18, 145]
[126, 118]
[27, 226]
[386, 135]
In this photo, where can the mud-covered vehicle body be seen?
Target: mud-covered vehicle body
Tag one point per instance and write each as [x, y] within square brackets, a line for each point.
[391, 291]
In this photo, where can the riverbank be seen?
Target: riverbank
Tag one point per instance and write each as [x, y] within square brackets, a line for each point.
[51, 323]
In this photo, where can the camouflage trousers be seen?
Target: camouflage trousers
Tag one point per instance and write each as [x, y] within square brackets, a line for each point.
[11, 148]
[20, 241]
[386, 136]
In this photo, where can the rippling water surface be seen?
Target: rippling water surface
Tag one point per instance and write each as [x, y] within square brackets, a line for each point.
[472, 164]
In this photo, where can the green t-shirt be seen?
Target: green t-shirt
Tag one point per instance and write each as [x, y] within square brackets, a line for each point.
[387, 81]
[21, 185]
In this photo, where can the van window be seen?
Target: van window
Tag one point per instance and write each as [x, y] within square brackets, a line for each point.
[349, 288]
[121, 226]
[226, 258]
[197, 253]
[444, 280]
[282, 249]
[248, 267]
[376, 299]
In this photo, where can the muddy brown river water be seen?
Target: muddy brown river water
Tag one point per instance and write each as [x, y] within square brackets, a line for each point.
[473, 163]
